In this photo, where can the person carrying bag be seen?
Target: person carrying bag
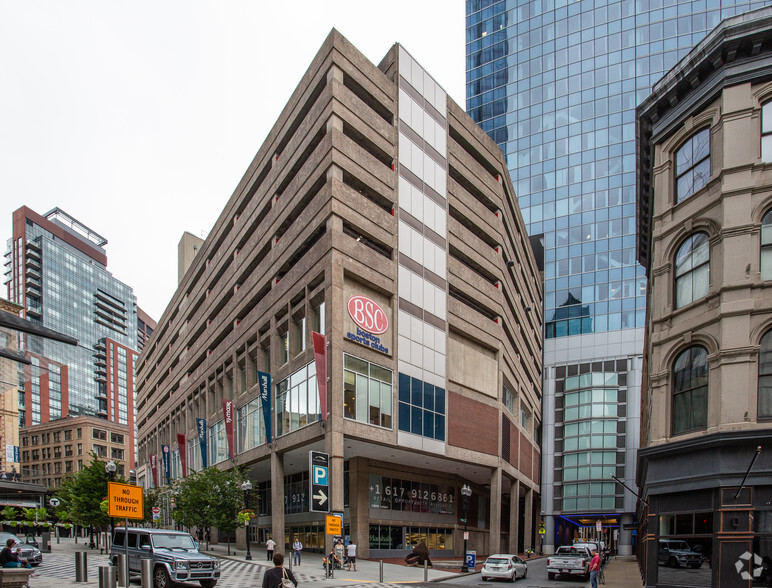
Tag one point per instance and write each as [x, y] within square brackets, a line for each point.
[279, 576]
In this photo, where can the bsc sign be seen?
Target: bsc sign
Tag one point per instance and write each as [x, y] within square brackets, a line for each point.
[125, 501]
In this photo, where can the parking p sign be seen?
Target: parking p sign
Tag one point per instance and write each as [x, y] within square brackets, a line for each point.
[319, 465]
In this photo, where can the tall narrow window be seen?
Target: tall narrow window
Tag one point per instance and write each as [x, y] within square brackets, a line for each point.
[765, 376]
[284, 348]
[766, 245]
[690, 390]
[300, 334]
[692, 269]
[693, 165]
[318, 318]
[766, 132]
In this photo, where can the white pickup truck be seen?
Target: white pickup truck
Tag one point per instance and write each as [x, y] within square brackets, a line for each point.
[574, 561]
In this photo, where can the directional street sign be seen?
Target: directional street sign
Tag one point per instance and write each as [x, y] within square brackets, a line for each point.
[319, 465]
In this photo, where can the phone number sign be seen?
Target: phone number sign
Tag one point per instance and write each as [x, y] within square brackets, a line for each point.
[406, 495]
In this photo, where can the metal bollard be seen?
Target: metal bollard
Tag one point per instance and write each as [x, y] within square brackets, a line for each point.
[380, 572]
[56, 530]
[106, 576]
[426, 571]
[81, 567]
[147, 573]
[122, 579]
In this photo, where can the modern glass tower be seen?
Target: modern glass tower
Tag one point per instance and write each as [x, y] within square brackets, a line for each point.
[555, 84]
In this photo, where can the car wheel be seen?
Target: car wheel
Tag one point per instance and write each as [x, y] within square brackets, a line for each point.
[525, 574]
[514, 576]
[550, 575]
[207, 583]
[161, 578]
[484, 579]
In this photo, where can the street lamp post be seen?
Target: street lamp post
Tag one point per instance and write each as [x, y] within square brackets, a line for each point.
[466, 493]
[110, 468]
[246, 487]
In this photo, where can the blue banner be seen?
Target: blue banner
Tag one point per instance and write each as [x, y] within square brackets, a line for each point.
[264, 381]
[201, 428]
[16, 454]
[167, 457]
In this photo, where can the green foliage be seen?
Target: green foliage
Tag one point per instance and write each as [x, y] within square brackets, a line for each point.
[81, 495]
[35, 514]
[210, 498]
[8, 513]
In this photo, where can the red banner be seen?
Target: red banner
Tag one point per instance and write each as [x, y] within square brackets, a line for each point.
[227, 409]
[183, 454]
[320, 359]
[154, 469]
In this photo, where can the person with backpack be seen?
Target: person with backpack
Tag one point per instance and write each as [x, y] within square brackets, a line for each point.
[297, 547]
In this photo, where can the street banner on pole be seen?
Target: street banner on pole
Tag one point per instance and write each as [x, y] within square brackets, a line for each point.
[183, 454]
[227, 411]
[264, 381]
[320, 360]
[201, 428]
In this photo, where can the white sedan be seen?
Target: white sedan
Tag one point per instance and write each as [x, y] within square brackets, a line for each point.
[505, 566]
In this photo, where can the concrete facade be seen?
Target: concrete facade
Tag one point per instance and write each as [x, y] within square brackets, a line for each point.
[704, 408]
[377, 214]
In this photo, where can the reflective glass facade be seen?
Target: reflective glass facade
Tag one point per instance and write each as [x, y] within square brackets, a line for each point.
[555, 84]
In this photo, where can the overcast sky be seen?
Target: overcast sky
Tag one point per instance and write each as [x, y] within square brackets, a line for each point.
[140, 118]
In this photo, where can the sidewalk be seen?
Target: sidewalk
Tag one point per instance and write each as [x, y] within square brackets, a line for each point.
[622, 572]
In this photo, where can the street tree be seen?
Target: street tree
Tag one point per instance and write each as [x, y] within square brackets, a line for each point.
[210, 498]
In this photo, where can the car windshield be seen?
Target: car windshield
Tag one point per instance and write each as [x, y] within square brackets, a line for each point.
[4, 537]
[680, 545]
[495, 561]
[173, 541]
[571, 551]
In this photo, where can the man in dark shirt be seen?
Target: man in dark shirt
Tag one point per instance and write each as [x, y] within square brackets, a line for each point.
[273, 577]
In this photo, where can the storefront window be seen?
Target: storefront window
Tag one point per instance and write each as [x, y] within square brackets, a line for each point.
[391, 537]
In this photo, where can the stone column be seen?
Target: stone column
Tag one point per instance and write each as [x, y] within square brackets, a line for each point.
[514, 516]
[494, 536]
[277, 499]
[625, 543]
[549, 536]
[528, 526]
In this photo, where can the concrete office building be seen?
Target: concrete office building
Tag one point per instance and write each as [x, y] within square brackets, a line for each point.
[56, 269]
[378, 214]
[555, 84]
[704, 229]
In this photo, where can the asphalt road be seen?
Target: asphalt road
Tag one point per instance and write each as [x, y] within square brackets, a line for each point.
[537, 578]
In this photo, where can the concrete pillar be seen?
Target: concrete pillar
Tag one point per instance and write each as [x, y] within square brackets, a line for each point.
[549, 536]
[494, 525]
[277, 499]
[334, 446]
[514, 516]
[528, 526]
[625, 543]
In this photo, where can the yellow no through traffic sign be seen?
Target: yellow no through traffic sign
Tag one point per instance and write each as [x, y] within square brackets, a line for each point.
[334, 525]
[125, 501]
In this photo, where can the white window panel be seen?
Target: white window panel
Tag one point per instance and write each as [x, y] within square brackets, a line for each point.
[416, 247]
[429, 256]
[441, 140]
[440, 365]
[405, 195]
[405, 150]
[428, 359]
[416, 290]
[404, 282]
[429, 209]
[417, 77]
[404, 238]
[429, 334]
[404, 349]
[429, 130]
[416, 330]
[429, 171]
[441, 262]
[440, 101]
[417, 118]
[416, 160]
[441, 308]
[405, 110]
[417, 200]
[416, 354]
[442, 183]
[440, 221]
[430, 297]
[404, 323]
[440, 341]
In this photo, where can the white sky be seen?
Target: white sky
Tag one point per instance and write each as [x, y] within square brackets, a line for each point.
[139, 118]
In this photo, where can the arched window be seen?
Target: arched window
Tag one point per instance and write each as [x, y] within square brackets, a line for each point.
[693, 164]
[692, 269]
[765, 376]
[766, 245]
[766, 133]
[690, 390]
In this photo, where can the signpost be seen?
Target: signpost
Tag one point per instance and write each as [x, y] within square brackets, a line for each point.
[54, 502]
[125, 501]
[319, 466]
[156, 513]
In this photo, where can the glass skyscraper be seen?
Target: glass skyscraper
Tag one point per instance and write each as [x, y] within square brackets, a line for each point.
[555, 84]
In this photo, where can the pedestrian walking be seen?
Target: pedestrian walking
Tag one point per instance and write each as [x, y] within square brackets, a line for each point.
[270, 545]
[279, 576]
[351, 552]
[297, 547]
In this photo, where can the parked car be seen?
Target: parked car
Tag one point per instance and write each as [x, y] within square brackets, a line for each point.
[593, 546]
[29, 551]
[676, 553]
[505, 566]
[174, 554]
[569, 560]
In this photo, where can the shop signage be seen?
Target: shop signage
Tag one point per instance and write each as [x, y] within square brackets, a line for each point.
[395, 494]
[368, 315]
